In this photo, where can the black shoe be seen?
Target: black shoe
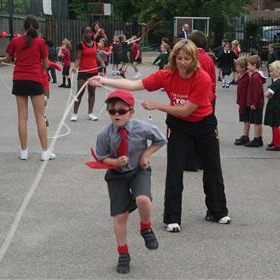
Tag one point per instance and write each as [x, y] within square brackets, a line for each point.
[273, 148]
[242, 140]
[270, 145]
[123, 263]
[219, 79]
[68, 86]
[62, 85]
[150, 238]
[255, 143]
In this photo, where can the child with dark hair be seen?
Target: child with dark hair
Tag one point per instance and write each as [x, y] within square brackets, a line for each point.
[124, 143]
[226, 63]
[31, 54]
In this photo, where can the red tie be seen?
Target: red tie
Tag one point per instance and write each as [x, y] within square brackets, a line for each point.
[123, 146]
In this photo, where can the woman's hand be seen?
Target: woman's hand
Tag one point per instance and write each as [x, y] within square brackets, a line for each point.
[96, 81]
[150, 105]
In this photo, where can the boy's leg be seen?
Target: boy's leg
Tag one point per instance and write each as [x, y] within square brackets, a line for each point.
[141, 190]
[120, 228]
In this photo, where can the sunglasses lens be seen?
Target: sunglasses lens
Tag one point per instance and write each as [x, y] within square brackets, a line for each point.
[120, 112]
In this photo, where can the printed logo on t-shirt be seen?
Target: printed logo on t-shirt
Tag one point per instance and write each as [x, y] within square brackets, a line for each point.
[179, 99]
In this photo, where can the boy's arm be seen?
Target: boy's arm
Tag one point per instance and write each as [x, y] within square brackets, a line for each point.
[144, 159]
[119, 162]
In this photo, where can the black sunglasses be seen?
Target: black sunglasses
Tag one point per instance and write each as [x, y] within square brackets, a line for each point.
[120, 112]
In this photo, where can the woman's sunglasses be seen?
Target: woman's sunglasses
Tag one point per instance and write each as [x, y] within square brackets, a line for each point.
[120, 112]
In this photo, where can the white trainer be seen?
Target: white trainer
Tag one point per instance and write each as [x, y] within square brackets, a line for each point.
[47, 155]
[173, 227]
[224, 220]
[23, 154]
[74, 117]
[92, 117]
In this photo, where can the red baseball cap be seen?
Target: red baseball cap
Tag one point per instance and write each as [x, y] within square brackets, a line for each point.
[122, 94]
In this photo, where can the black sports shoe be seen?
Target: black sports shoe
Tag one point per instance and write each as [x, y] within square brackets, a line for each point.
[123, 263]
[62, 85]
[242, 140]
[150, 238]
[255, 143]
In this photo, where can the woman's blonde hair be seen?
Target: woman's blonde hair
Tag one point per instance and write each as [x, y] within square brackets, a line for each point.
[275, 66]
[189, 48]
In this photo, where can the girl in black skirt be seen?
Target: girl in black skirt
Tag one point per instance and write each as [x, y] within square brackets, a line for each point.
[272, 112]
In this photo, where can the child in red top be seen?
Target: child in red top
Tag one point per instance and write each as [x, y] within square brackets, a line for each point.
[46, 86]
[255, 99]
[235, 47]
[242, 90]
[31, 54]
[135, 55]
[64, 55]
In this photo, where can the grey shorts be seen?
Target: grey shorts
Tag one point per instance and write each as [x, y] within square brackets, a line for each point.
[123, 188]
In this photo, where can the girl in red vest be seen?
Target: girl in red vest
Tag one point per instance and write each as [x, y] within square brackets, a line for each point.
[86, 63]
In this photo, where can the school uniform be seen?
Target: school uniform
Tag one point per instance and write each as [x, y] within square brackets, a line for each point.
[27, 76]
[255, 97]
[241, 96]
[272, 112]
[129, 181]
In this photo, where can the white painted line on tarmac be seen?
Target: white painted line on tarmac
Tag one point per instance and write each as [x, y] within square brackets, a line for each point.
[9, 238]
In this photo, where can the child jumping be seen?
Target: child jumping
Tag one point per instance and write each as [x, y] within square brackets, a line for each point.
[123, 143]
[242, 89]
[272, 112]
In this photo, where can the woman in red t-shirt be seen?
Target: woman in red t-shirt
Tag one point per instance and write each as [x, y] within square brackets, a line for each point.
[86, 63]
[31, 55]
[190, 118]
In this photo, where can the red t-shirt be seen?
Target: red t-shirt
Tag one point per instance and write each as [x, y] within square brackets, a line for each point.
[197, 89]
[28, 62]
[66, 57]
[88, 58]
[207, 64]
[134, 50]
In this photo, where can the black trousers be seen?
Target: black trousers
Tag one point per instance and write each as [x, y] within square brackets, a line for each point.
[204, 136]
[53, 74]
